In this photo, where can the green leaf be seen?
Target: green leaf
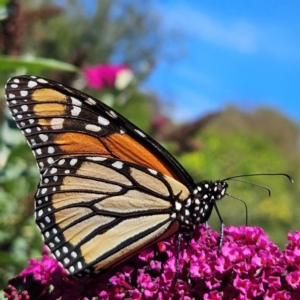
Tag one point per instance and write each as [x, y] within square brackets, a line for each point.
[33, 64]
[3, 2]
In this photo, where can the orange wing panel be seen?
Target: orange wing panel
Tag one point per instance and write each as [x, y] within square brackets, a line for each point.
[117, 145]
[79, 143]
[128, 149]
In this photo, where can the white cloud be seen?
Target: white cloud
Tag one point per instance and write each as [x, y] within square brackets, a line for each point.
[251, 35]
[239, 35]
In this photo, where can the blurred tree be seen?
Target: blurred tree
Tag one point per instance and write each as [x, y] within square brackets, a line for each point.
[119, 31]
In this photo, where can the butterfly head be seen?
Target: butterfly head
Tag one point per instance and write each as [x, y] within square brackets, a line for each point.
[204, 197]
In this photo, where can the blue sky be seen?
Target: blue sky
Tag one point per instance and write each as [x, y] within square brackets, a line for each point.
[245, 53]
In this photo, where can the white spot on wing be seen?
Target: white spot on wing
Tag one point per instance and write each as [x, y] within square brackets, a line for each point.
[96, 158]
[42, 225]
[103, 121]
[41, 80]
[24, 107]
[76, 101]
[90, 101]
[53, 170]
[92, 127]
[66, 260]
[117, 164]
[112, 114]
[57, 123]
[75, 111]
[24, 93]
[152, 171]
[140, 133]
[74, 254]
[32, 84]
[61, 162]
[73, 161]
[43, 137]
[79, 265]
[50, 160]
[178, 206]
[50, 150]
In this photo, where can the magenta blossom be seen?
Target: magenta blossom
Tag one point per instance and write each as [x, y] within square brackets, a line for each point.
[105, 76]
[249, 266]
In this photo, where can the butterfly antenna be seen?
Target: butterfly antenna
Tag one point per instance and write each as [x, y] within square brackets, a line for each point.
[246, 207]
[261, 174]
[255, 184]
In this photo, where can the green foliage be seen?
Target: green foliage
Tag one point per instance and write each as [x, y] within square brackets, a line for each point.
[244, 148]
[137, 109]
[19, 238]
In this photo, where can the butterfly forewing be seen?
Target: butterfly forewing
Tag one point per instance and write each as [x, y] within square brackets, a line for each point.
[96, 212]
[59, 121]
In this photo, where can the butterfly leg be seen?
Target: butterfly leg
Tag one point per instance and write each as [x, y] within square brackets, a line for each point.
[180, 235]
[206, 228]
[222, 228]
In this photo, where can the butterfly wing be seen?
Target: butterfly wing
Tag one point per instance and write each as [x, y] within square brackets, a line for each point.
[95, 212]
[59, 121]
[107, 189]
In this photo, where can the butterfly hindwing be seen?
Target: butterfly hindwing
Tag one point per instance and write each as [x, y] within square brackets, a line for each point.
[59, 121]
[95, 212]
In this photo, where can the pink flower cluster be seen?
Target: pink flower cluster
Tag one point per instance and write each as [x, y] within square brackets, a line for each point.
[248, 266]
[103, 76]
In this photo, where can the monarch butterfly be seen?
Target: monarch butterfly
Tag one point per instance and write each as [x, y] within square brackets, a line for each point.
[107, 189]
